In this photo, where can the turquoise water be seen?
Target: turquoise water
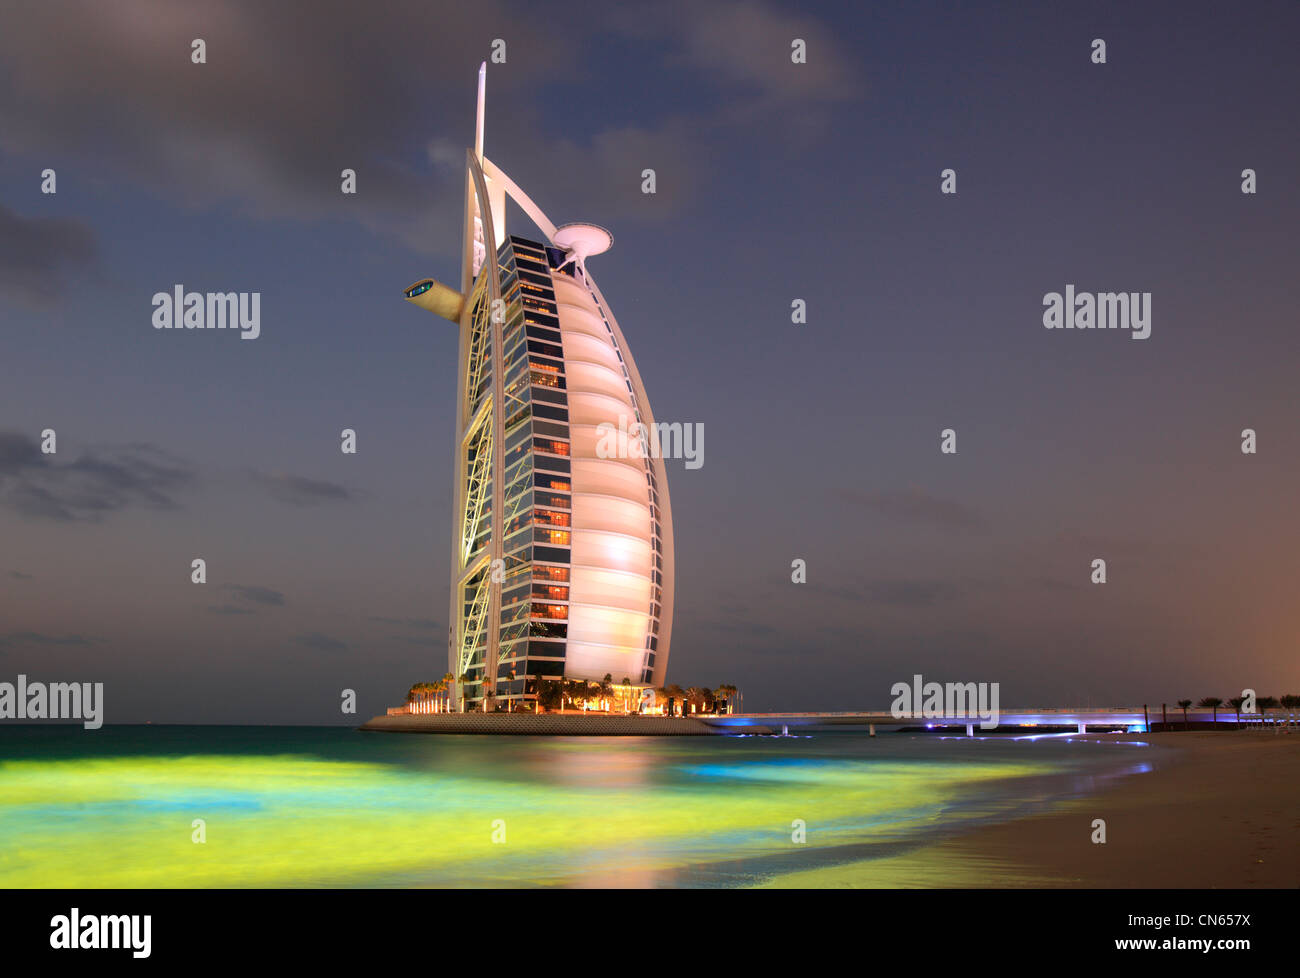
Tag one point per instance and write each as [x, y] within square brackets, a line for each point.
[302, 806]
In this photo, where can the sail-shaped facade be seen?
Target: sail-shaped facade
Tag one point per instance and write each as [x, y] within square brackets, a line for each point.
[562, 550]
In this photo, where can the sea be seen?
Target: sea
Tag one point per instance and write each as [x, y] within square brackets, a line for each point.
[282, 806]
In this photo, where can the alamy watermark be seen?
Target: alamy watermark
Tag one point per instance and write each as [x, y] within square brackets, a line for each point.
[662, 439]
[77, 931]
[179, 309]
[55, 701]
[1102, 310]
[945, 701]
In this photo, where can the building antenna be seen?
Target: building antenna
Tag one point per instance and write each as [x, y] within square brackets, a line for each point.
[478, 127]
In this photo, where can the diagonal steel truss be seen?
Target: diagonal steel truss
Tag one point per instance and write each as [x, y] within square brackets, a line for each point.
[475, 621]
[477, 446]
[480, 335]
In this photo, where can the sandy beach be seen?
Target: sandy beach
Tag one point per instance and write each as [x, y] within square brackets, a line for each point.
[1220, 810]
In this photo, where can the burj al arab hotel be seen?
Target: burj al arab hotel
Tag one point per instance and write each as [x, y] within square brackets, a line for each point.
[561, 558]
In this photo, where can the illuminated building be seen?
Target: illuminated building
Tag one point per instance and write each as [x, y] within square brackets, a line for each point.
[562, 561]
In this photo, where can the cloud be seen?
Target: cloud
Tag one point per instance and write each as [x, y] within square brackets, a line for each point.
[431, 633]
[912, 594]
[741, 52]
[320, 643]
[258, 595]
[40, 257]
[424, 623]
[418, 641]
[733, 626]
[18, 451]
[901, 593]
[366, 94]
[1074, 539]
[228, 609]
[20, 576]
[749, 45]
[603, 174]
[274, 115]
[1053, 583]
[916, 506]
[297, 490]
[100, 481]
[14, 639]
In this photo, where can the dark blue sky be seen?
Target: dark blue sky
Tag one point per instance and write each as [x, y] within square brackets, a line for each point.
[776, 181]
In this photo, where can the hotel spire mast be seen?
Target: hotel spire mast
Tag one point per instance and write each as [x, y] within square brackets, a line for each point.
[482, 106]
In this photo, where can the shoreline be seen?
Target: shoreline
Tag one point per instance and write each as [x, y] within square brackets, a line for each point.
[1218, 810]
[550, 725]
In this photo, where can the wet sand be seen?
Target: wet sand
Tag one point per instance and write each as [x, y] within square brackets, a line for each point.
[1220, 809]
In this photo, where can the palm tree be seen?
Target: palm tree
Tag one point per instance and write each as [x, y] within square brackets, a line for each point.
[465, 679]
[448, 680]
[550, 693]
[511, 702]
[1214, 703]
[674, 694]
[725, 692]
[627, 695]
[661, 698]
[1184, 704]
[420, 697]
[1290, 702]
[1266, 703]
[607, 690]
[1236, 703]
[694, 694]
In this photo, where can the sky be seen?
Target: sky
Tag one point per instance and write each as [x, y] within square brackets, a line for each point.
[775, 181]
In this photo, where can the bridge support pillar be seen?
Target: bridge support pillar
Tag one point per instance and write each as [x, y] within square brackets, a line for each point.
[1083, 727]
[970, 730]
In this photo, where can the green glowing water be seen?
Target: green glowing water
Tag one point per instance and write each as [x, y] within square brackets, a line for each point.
[333, 807]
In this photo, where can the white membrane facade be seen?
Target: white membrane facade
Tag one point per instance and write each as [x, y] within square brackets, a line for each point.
[562, 560]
